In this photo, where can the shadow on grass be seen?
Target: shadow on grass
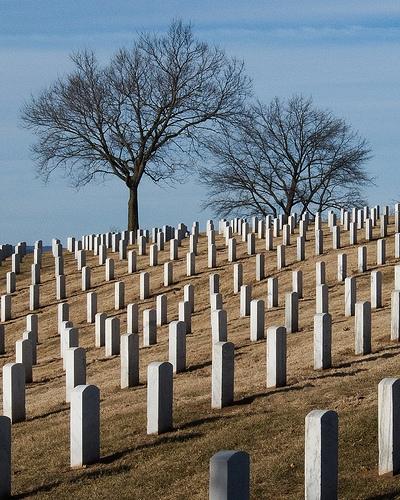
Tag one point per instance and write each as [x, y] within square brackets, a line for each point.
[82, 475]
[39, 489]
[249, 399]
[385, 496]
[48, 414]
[46, 380]
[160, 441]
[373, 357]
[339, 374]
[193, 368]
[201, 421]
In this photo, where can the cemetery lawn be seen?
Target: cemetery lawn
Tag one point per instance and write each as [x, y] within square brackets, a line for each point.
[268, 424]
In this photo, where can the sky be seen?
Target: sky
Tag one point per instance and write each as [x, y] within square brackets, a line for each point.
[345, 54]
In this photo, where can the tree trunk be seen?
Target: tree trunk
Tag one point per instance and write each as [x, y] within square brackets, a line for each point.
[133, 209]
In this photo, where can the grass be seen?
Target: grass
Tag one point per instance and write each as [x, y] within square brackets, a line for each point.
[268, 424]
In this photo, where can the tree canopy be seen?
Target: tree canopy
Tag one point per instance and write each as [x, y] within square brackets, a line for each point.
[145, 113]
[284, 156]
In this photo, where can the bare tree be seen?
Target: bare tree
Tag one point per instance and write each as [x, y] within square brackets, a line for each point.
[141, 114]
[285, 156]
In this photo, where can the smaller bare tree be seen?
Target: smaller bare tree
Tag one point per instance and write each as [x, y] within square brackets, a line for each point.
[285, 156]
[140, 115]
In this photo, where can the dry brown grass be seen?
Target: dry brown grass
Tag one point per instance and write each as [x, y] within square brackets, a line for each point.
[269, 424]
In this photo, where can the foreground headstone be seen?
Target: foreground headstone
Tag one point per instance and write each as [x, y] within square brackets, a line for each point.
[237, 277]
[381, 252]
[362, 259]
[11, 282]
[216, 301]
[397, 243]
[322, 341]
[229, 476]
[321, 455]
[142, 245]
[91, 307]
[112, 340]
[389, 426]
[24, 355]
[62, 314]
[86, 278]
[81, 258]
[5, 305]
[297, 283]
[320, 273]
[376, 289]
[231, 250]
[319, 242]
[300, 248]
[60, 287]
[322, 299]
[363, 327]
[350, 295]
[14, 392]
[15, 263]
[132, 318]
[276, 356]
[159, 397]
[109, 269]
[100, 329]
[336, 237]
[35, 274]
[251, 244]
[119, 295]
[395, 316]
[5, 457]
[153, 255]
[162, 309]
[149, 327]
[173, 249]
[190, 264]
[222, 374]
[188, 295]
[245, 299]
[129, 360]
[34, 297]
[219, 324]
[257, 319]
[269, 239]
[168, 273]
[75, 369]
[280, 257]
[353, 234]
[184, 314]
[32, 325]
[214, 283]
[102, 251]
[131, 261]
[272, 293]
[69, 338]
[144, 286]
[177, 345]
[85, 425]
[291, 312]
[342, 267]
[260, 267]
[2, 340]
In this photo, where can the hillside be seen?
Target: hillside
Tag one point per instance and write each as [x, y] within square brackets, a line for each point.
[267, 423]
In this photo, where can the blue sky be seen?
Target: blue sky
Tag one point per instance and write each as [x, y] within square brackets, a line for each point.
[345, 54]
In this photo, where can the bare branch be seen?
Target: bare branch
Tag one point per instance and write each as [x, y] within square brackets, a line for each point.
[286, 155]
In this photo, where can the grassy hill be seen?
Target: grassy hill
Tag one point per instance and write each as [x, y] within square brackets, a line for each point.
[268, 424]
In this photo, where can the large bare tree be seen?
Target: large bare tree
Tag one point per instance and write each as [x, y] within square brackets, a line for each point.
[141, 114]
[286, 156]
